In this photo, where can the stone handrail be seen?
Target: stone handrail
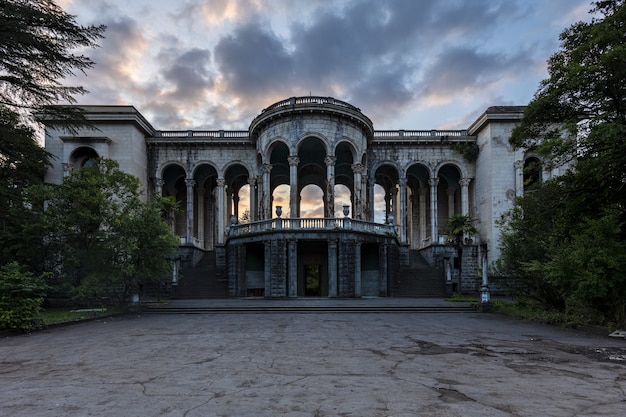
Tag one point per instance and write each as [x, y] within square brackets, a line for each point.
[201, 133]
[245, 133]
[318, 224]
[418, 133]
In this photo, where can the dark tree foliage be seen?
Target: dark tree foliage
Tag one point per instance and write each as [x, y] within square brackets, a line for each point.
[564, 243]
[40, 47]
[99, 238]
[23, 164]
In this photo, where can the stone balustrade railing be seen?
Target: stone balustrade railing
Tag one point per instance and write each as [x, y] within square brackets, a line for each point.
[319, 224]
[201, 133]
[418, 133]
[244, 133]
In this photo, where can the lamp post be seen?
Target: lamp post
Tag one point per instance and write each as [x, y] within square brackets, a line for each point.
[485, 296]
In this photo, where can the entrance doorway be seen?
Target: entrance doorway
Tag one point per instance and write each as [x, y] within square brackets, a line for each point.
[312, 287]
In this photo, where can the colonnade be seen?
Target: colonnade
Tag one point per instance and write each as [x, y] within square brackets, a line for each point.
[410, 213]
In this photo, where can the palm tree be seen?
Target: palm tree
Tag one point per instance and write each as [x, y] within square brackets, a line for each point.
[457, 228]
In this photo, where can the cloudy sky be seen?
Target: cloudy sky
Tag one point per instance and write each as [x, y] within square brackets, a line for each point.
[408, 64]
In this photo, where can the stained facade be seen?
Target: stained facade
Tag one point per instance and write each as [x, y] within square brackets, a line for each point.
[398, 189]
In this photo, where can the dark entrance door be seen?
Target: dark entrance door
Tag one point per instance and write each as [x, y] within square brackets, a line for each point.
[312, 287]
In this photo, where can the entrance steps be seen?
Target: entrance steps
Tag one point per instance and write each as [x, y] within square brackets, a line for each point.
[419, 279]
[202, 281]
[323, 305]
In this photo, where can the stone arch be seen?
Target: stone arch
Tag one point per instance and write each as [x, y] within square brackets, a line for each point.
[276, 142]
[201, 165]
[308, 136]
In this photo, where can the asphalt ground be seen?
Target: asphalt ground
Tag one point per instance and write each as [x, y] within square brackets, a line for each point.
[312, 364]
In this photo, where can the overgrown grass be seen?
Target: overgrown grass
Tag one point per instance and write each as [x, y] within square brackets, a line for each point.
[68, 315]
[526, 310]
[460, 298]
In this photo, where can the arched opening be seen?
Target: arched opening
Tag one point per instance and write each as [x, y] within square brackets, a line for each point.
[174, 186]
[280, 198]
[236, 178]
[418, 200]
[343, 197]
[206, 210]
[244, 204]
[312, 172]
[387, 177]
[448, 195]
[83, 156]
[379, 204]
[312, 202]
[532, 173]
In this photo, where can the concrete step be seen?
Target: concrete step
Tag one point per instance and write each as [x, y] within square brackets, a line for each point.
[195, 309]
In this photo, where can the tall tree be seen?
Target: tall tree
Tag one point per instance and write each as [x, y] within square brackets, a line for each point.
[579, 112]
[40, 46]
[564, 241]
[100, 238]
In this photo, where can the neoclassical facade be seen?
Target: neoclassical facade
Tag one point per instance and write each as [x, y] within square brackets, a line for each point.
[383, 195]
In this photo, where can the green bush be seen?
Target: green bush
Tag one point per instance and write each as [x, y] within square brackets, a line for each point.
[21, 297]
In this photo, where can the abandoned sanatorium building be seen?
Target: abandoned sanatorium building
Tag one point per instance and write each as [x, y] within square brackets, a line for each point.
[421, 177]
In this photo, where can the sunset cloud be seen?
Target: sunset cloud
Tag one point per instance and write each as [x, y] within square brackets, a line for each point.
[408, 64]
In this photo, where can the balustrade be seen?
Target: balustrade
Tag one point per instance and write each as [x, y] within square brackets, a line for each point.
[316, 224]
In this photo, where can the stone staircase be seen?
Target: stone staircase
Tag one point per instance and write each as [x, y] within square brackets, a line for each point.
[419, 279]
[202, 281]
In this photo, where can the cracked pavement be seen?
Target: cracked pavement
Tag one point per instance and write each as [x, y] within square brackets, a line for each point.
[312, 364]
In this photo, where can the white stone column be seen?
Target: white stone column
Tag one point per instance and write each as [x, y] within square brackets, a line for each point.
[382, 278]
[293, 185]
[402, 210]
[330, 185]
[332, 268]
[464, 183]
[201, 216]
[266, 211]
[357, 269]
[267, 270]
[293, 268]
[364, 198]
[190, 183]
[519, 178]
[370, 201]
[357, 207]
[422, 216]
[252, 183]
[434, 234]
[229, 205]
[221, 210]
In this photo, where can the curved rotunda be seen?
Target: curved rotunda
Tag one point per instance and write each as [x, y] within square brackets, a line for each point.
[311, 200]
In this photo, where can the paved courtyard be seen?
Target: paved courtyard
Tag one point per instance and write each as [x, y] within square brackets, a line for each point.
[312, 364]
